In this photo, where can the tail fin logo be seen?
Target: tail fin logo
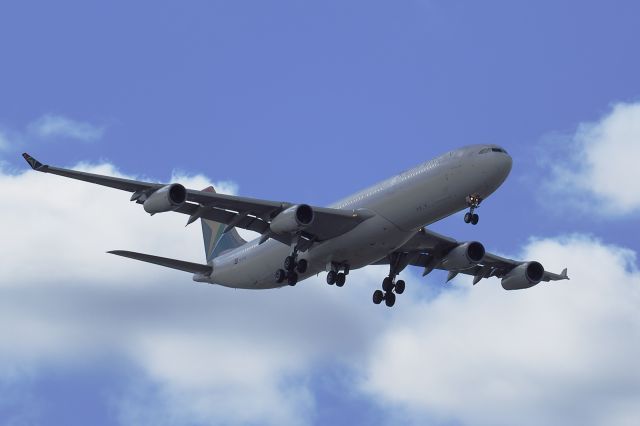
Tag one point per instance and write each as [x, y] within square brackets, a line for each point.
[216, 240]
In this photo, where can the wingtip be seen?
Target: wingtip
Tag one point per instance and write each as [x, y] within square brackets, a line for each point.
[565, 274]
[33, 163]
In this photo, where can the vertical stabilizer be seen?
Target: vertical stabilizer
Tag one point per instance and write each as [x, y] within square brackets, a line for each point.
[216, 240]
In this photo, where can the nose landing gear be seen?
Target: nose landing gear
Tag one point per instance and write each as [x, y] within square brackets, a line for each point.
[473, 201]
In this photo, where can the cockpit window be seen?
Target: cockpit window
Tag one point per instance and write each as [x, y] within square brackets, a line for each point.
[485, 150]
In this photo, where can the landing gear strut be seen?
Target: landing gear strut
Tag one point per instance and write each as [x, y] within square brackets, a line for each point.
[473, 201]
[292, 267]
[391, 287]
[334, 276]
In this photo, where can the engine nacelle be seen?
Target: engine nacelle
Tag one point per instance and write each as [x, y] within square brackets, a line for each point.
[293, 219]
[523, 276]
[166, 199]
[464, 256]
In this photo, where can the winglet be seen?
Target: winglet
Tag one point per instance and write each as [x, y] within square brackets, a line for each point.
[35, 164]
[564, 274]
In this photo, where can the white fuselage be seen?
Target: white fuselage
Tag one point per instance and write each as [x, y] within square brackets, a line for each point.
[401, 205]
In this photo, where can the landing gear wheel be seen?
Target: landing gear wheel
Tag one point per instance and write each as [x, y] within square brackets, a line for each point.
[473, 201]
[399, 287]
[378, 297]
[341, 279]
[292, 279]
[289, 263]
[280, 275]
[387, 284]
[332, 277]
[302, 266]
[389, 299]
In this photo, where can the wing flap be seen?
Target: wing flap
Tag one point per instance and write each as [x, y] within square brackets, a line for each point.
[329, 223]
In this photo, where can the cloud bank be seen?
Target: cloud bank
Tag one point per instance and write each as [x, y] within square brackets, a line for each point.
[555, 354]
[561, 353]
[211, 355]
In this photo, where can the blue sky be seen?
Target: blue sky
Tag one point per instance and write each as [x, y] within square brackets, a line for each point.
[307, 101]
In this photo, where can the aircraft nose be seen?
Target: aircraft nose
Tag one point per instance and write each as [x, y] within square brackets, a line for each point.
[498, 168]
[506, 164]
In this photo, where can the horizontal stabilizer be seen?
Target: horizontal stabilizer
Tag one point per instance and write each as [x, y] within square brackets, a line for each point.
[181, 265]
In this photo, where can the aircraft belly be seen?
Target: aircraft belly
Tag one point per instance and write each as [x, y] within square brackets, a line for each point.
[367, 243]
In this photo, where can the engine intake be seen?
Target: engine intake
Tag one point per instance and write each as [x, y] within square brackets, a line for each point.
[523, 276]
[166, 199]
[464, 256]
[293, 219]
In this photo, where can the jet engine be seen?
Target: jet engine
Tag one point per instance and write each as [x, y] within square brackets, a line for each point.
[523, 276]
[464, 256]
[166, 199]
[293, 219]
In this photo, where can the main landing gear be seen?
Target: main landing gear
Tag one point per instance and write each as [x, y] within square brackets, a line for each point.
[473, 201]
[292, 267]
[334, 276]
[391, 287]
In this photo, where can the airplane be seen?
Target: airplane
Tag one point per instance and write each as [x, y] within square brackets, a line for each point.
[385, 224]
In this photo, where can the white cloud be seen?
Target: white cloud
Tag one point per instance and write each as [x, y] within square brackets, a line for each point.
[560, 353]
[601, 160]
[58, 126]
[47, 127]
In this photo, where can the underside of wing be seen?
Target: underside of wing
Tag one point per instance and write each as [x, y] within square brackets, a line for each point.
[431, 250]
[110, 181]
[286, 222]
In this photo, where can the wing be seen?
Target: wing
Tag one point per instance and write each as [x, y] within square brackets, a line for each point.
[248, 213]
[430, 250]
